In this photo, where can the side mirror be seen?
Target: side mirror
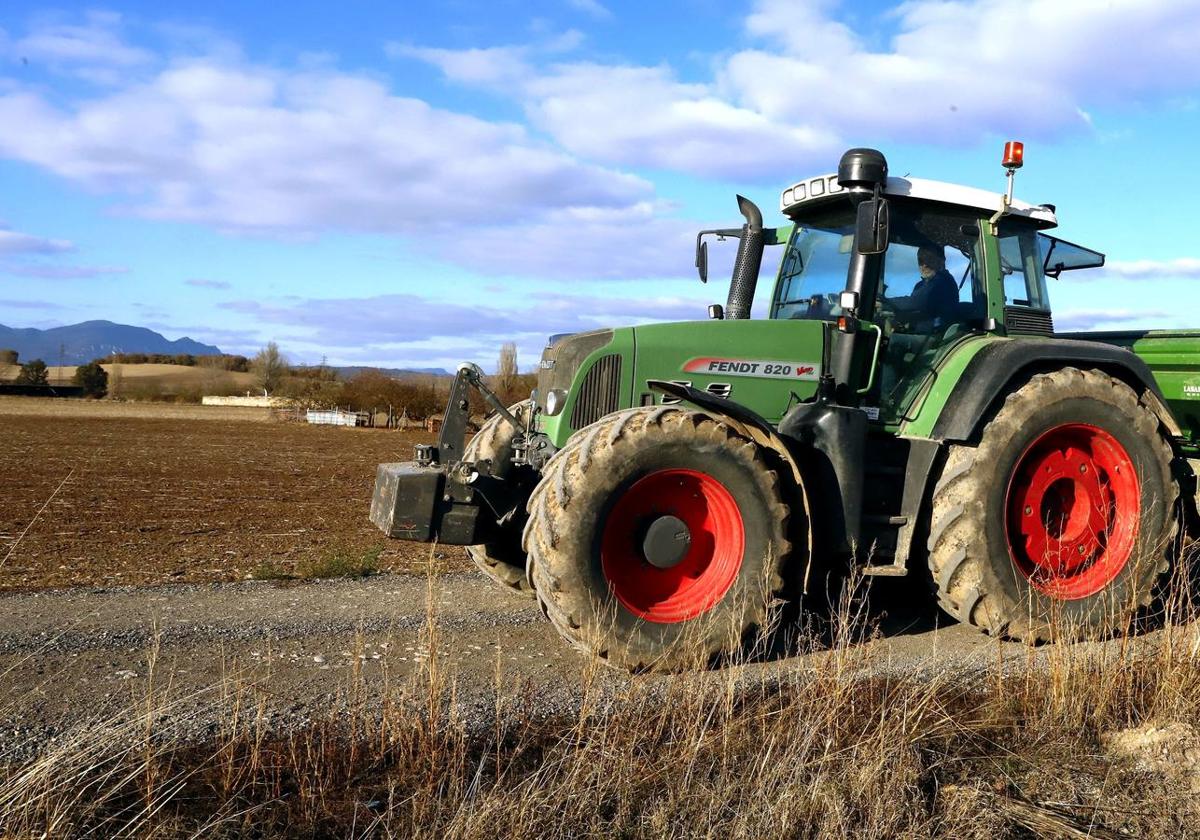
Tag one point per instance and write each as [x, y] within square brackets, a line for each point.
[871, 227]
[702, 260]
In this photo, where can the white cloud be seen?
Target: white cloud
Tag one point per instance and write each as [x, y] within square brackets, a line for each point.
[93, 49]
[44, 271]
[580, 244]
[247, 147]
[1072, 320]
[645, 116]
[1183, 267]
[485, 67]
[201, 283]
[955, 71]
[14, 242]
[409, 329]
[591, 7]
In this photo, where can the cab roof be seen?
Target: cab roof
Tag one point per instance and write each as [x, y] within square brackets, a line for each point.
[817, 191]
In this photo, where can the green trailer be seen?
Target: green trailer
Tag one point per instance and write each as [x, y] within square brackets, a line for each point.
[905, 406]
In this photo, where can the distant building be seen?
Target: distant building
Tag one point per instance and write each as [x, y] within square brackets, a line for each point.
[337, 417]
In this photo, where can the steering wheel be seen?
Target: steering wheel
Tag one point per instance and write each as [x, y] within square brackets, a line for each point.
[819, 305]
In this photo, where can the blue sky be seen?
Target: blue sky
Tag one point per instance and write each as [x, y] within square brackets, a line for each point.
[410, 184]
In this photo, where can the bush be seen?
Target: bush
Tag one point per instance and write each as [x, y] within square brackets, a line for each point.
[93, 379]
[33, 373]
[372, 389]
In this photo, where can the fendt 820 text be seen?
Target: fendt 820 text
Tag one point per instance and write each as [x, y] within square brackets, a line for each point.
[905, 406]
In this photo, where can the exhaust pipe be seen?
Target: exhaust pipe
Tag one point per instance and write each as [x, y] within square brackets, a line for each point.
[749, 260]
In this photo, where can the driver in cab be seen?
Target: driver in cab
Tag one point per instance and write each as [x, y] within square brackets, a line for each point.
[934, 299]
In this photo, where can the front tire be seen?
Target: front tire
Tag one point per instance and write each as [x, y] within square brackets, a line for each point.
[658, 538]
[1061, 522]
[502, 559]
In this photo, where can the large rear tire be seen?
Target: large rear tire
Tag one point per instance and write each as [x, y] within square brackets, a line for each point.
[658, 538]
[1061, 522]
[502, 559]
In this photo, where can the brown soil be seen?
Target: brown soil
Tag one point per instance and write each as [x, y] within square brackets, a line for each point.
[152, 500]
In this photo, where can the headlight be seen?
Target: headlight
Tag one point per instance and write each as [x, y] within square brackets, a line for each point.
[555, 400]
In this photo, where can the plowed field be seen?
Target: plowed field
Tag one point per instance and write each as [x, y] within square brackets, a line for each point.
[136, 500]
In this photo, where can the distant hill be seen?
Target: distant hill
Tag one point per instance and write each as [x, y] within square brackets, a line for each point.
[80, 343]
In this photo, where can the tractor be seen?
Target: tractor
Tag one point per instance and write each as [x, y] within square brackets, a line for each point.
[904, 407]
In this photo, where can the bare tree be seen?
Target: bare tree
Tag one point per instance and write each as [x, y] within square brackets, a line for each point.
[268, 367]
[116, 380]
[506, 367]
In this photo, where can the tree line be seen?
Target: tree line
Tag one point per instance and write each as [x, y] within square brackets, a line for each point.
[418, 396]
[222, 361]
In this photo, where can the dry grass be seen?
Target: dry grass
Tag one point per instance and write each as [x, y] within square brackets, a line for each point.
[339, 563]
[155, 381]
[68, 409]
[1009, 750]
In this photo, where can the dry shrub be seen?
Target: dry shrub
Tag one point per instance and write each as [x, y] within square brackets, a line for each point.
[832, 745]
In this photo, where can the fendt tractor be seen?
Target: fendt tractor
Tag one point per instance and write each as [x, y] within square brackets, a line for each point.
[905, 401]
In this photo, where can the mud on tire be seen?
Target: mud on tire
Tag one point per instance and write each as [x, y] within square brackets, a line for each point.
[1039, 531]
[589, 514]
[502, 559]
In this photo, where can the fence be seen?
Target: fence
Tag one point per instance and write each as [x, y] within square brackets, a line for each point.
[252, 402]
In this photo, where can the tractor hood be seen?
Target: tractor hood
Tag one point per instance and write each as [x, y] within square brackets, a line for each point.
[766, 365]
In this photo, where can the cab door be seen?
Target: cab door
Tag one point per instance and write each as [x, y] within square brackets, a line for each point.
[923, 316]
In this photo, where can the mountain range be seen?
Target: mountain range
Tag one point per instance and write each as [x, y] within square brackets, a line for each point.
[78, 344]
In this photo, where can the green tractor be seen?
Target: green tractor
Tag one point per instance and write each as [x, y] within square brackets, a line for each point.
[905, 406]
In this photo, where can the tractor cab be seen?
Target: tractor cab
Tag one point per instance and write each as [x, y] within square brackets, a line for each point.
[948, 272]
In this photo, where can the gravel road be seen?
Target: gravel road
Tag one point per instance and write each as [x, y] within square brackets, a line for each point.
[69, 656]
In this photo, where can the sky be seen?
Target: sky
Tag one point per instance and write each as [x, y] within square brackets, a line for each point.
[410, 184]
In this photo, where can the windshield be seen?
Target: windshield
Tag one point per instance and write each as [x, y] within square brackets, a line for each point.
[813, 272]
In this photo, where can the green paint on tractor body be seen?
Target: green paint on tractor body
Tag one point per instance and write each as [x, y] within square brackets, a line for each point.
[1173, 357]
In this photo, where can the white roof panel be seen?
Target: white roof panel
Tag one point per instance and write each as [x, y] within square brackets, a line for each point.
[814, 191]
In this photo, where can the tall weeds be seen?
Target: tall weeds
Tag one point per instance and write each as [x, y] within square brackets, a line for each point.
[828, 745]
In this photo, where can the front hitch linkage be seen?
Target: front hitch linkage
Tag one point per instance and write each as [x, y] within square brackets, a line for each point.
[453, 436]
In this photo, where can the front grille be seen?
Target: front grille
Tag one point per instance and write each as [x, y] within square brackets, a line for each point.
[599, 393]
[1020, 321]
[562, 359]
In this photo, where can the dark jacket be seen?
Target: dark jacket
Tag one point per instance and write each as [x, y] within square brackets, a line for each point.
[935, 298]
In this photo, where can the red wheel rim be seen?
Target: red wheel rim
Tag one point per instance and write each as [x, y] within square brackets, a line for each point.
[700, 580]
[1072, 511]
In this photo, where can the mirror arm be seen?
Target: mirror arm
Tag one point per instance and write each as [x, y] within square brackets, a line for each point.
[720, 233]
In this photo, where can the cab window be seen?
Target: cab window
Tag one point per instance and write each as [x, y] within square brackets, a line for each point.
[1021, 267]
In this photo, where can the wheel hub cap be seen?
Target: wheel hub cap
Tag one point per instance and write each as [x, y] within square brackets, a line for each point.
[672, 544]
[1072, 511]
[666, 542]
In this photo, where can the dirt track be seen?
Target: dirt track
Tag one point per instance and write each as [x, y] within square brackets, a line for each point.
[70, 655]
